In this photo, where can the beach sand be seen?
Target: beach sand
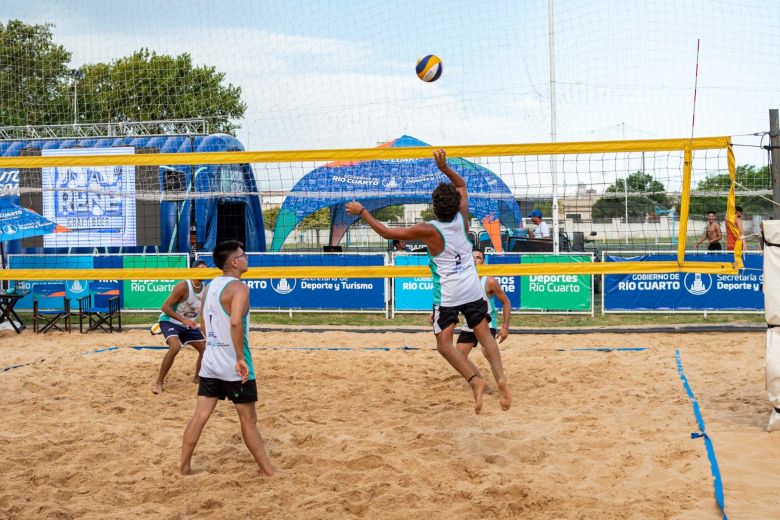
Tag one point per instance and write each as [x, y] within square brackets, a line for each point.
[390, 434]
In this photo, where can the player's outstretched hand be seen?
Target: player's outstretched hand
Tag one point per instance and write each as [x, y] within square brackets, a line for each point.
[441, 158]
[354, 208]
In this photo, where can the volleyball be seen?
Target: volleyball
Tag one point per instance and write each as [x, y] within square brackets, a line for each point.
[429, 68]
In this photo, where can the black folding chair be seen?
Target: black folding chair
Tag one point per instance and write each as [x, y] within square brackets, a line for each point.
[100, 317]
[51, 319]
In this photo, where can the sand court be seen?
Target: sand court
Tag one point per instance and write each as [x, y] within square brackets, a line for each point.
[390, 434]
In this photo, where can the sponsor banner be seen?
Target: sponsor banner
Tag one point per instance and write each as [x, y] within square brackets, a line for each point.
[412, 294]
[556, 292]
[97, 204]
[686, 291]
[314, 293]
[9, 184]
[149, 294]
[510, 284]
[133, 294]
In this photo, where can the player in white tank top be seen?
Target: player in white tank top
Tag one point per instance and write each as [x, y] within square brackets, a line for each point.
[177, 323]
[227, 370]
[457, 289]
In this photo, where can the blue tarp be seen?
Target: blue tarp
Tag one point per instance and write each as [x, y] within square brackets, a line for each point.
[378, 184]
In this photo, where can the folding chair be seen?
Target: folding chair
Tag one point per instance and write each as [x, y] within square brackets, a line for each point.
[50, 319]
[100, 317]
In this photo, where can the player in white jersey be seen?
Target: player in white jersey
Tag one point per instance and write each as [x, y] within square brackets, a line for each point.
[457, 289]
[177, 323]
[467, 340]
[227, 370]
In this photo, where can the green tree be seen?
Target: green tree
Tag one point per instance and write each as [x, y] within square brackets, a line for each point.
[320, 219]
[427, 213]
[147, 86]
[639, 206]
[33, 76]
[389, 213]
[269, 217]
[748, 176]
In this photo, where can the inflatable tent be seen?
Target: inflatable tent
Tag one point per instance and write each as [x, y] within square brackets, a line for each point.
[166, 223]
[378, 184]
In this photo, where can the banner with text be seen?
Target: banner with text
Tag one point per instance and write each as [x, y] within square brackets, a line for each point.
[686, 291]
[315, 293]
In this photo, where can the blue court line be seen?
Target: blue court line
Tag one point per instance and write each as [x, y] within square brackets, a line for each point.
[108, 349]
[606, 349]
[149, 347]
[11, 367]
[717, 481]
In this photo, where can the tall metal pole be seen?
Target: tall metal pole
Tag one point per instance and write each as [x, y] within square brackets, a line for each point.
[553, 130]
[625, 186]
[774, 151]
[75, 102]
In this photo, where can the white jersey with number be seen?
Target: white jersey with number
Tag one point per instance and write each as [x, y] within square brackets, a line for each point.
[190, 307]
[219, 359]
[455, 279]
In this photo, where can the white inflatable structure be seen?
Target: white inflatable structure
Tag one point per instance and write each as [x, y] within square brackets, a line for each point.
[772, 309]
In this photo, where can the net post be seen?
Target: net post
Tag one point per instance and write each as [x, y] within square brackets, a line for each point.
[685, 202]
[731, 205]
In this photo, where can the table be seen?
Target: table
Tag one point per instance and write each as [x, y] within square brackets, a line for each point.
[8, 300]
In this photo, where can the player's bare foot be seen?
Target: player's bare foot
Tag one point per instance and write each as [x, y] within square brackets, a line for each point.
[504, 395]
[270, 471]
[185, 470]
[478, 386]
[157, 388]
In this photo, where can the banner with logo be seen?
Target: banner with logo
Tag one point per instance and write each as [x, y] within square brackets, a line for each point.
[133, 294]
[9, 184]
[556, 292]
[686, 291]
[315, 293]
[97, 204]
[412, 294]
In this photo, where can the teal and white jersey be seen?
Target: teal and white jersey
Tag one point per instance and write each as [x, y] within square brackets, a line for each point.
[219, 360]
[190, 307]
[492, 310]
[455, 279]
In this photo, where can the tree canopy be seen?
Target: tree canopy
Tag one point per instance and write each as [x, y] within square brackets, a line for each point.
[36, 87]
[639, 206]
[748, 176]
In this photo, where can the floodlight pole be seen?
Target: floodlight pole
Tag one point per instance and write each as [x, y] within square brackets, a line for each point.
[77, 75]
[553, 130]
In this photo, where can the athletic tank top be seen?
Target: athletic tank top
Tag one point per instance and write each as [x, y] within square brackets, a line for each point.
[455, 279]
[492, 310]
[219, 360]
[190, 307]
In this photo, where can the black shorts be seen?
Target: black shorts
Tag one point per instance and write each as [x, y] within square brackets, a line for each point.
[185, 335]
[474, 312]
[714, 246]
[468, 336]
[235, 391]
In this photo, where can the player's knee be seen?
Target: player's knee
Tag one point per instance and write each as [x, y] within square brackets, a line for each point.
[174, 347]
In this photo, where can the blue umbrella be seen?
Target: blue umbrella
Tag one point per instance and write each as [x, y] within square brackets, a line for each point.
[17, 222]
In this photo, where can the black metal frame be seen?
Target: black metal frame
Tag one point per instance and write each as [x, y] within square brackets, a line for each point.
[50, 319]
[100, 317]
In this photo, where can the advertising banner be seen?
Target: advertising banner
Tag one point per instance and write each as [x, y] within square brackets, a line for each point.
[133, 294]
[412, 294]
[149, 294]
[315, 293]
[510, 284]
[686, 291]
[556, 292]
[97, 204]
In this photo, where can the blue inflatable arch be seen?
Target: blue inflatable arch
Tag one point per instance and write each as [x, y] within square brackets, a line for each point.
[378, 184]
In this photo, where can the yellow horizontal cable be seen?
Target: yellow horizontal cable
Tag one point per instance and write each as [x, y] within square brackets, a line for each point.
[366, 154]
[584, 268]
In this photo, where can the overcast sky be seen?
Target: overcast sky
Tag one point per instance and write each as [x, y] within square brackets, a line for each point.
[332, 74]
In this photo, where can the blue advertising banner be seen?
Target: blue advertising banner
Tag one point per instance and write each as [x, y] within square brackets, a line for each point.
[510, 284]
[315, 293]
[412, 294]
[50, 292]
[686, 291]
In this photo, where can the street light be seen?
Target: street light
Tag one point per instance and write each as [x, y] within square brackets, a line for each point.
[77, 76]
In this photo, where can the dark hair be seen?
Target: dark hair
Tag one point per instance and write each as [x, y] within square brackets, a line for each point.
[199, 262]
[476, 249]
[446, 201]
[396, 242]
[710, 211]
[739, 208]
[223, 251]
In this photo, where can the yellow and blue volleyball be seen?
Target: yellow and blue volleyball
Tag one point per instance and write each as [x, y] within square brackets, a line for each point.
[429, 68]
